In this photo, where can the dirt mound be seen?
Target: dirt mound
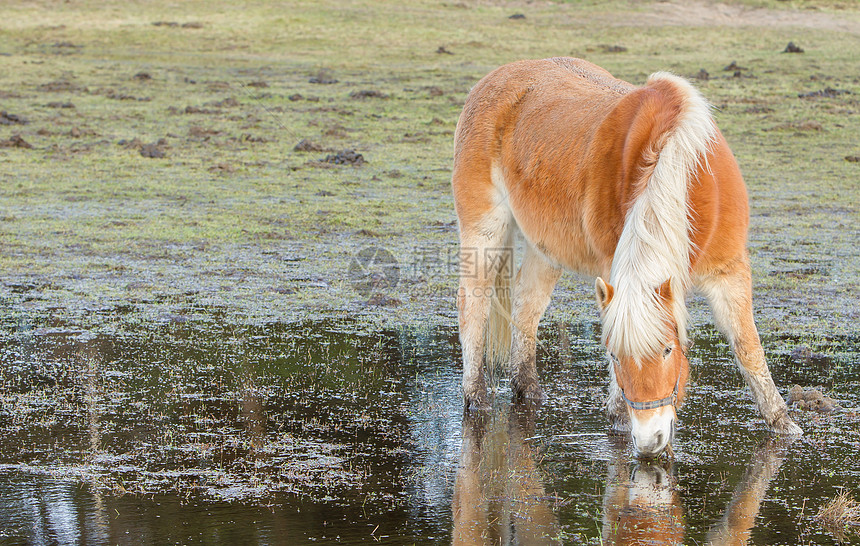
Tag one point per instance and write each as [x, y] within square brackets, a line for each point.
[323, 78]
[306, 145]
[802, 126]
[12, 119]
[61, 86]
[368, 94]
[151, 150]
[345, 157]
[827, 92]
[792, 48]
[15, 141]
[229, 102]
[811, 400]
[606, 48]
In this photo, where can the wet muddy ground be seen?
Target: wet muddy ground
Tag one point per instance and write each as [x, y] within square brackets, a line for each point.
[197, 432]
[228, 258]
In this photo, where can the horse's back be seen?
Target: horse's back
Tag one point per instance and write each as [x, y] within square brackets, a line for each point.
[502, 97]
[525, 137]
[512, 122]
[563, 145]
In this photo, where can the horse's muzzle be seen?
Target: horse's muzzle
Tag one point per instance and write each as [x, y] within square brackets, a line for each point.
[653, 433]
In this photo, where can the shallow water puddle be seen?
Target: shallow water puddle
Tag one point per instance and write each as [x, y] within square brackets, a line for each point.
[195, 432]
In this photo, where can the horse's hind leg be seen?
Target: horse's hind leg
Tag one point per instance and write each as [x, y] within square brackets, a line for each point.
[729, 290]
[534, 284]
[482, 243]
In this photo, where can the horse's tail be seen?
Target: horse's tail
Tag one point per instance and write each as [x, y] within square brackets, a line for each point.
[497, 343]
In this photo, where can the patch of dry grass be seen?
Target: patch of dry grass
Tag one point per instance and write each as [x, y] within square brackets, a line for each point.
[840, 516]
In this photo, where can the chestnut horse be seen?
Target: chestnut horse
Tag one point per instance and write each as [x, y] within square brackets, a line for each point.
[633, 184]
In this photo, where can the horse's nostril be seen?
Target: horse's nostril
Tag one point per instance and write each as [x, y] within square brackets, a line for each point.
[659, 438]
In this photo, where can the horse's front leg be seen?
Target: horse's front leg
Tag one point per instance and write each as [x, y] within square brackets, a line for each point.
[616, 407]
[729, 291]
[534, 284]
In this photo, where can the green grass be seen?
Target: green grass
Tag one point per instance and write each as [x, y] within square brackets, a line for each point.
[234, 217]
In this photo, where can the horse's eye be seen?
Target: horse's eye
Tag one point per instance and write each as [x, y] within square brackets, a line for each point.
[667, 351]
[613, 358]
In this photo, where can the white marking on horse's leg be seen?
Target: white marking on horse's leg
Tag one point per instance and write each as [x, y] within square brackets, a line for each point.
[534, 285]
[474, 298]
[730, 294]
[473, 317]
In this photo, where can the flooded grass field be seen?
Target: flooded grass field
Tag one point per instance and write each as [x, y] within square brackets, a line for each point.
[195, 432]
[194, 196]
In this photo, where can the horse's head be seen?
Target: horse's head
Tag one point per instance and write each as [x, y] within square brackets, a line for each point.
[651, 381]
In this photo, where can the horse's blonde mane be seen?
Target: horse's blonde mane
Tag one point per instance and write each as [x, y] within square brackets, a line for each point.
[655, 243]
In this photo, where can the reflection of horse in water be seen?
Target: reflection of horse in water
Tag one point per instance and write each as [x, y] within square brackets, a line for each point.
[498, 495]
[642, 505]
[739, 518]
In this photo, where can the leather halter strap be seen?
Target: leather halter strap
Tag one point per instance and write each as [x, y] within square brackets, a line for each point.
[654, 404]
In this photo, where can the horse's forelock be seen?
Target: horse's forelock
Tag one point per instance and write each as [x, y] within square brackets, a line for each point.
[637, 323]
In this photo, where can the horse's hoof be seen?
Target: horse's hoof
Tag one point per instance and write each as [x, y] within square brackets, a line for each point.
[477, 404]
[785, 426]
[528, 391]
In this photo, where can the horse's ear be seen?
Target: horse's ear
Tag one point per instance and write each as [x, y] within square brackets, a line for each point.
[665, 291]
[604, 292]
